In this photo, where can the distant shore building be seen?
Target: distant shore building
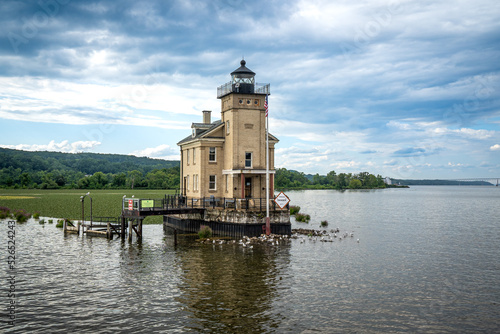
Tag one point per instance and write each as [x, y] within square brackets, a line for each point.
[227, 157]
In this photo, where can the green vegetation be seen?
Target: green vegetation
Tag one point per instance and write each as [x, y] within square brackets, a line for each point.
[4, 212]
[60, 223]
[204, 232]
[289, 179]
[55, 170]
[324, 223]
[65, 203]
[294, 209]
[21, 215]
[303, 218]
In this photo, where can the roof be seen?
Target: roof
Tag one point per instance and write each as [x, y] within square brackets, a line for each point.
[201, 130]
[243, 69]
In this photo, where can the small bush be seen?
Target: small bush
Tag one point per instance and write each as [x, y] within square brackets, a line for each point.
[303, 218]
[21, 216]
[51, 221]
[41, 222]
[205, 232]
[36, 215]
[60, 223]
[4, 212]
[324, 223]
[294, 209]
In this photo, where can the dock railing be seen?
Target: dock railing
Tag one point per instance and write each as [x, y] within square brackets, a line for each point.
[176, 201]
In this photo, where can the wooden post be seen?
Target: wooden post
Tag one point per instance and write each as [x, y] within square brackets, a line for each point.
[109, 234]
[139, 229]
[130, 230]
[175, 237]
[122, 228]
[65, 225]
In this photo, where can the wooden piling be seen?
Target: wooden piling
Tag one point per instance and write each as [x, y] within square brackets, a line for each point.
[130, 229]
[122, 231]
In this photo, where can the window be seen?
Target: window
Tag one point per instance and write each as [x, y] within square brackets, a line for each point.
[211, 154]
[248, 160]
[227, 183]
[194, 159]
[195, 182]
[211, 182]
[187, 182]
[227, 127]
[187, 153]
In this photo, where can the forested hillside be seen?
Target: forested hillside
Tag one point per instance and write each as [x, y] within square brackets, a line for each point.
[290, 179]
[51, 170]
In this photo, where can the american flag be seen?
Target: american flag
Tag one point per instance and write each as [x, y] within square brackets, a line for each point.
[266, 106]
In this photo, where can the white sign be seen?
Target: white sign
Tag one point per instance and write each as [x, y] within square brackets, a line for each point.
[282, 200]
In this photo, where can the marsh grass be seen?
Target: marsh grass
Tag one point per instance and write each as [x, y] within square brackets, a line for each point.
[303, 218]
[204, 232]
[65, 203]
[294, 209]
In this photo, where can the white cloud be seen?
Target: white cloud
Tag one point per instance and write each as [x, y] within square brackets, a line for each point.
[495, 147]
[163, 151]
[64, 146]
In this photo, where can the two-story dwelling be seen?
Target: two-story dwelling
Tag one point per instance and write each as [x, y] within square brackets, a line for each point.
[227, 158]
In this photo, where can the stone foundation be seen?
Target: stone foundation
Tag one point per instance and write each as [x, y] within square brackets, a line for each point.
[231, 222]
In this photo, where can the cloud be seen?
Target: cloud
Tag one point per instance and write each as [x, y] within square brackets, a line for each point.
[410, 151]
[163, 151]
[495, 147]
[64, 146]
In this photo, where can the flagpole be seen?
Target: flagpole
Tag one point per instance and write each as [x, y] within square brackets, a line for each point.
[268, 223]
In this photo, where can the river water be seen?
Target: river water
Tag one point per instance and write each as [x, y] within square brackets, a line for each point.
[427, 260]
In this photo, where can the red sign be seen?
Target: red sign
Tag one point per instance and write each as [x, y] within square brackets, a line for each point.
[131, 204]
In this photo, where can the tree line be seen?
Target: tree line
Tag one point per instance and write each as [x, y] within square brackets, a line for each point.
[54, 170]
[289, 179]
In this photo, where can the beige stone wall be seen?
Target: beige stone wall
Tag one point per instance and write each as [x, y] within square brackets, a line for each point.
[244, 131]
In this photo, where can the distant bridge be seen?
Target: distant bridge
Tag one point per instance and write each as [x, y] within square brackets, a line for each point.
[492, 180]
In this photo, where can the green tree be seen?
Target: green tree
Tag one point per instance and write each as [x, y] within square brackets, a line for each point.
[134, 179]
[119, 180]
[355, 184]
[25, 179]
[98, 180]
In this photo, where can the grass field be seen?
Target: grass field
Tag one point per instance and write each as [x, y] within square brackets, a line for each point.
[65, 203]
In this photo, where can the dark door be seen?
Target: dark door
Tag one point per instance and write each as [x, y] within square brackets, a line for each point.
[248, 187]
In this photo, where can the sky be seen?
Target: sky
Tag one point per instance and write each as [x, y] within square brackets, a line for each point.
[405, 89]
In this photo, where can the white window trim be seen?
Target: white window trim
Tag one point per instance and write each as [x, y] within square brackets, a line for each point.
[214, 183]
[215, 154]
[251, 159]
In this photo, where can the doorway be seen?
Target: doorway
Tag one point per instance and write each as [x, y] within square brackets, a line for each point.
[248, 187]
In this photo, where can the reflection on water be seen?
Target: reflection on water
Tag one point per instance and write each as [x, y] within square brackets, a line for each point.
[230, 288]
[428, 261]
